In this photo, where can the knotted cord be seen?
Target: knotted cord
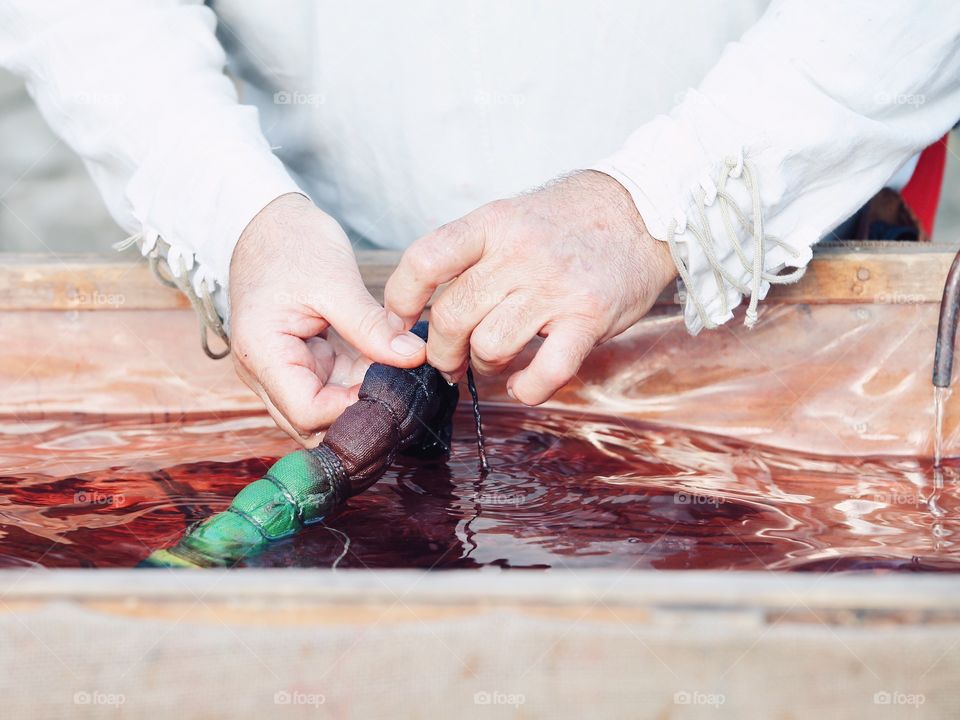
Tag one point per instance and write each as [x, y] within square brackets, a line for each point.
[704, 237]
[202, 303]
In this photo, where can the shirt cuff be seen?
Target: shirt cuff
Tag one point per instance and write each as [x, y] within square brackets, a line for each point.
[200, 195]
[674, 167]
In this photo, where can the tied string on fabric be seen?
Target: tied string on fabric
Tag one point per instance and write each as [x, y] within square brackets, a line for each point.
[408, 411]
[202, 304]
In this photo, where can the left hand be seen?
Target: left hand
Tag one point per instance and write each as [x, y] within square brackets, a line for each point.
[571, 262]
[293, 282]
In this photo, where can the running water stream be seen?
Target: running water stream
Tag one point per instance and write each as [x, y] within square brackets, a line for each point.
[940, 397]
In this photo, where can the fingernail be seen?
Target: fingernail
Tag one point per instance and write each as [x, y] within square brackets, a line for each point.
[407, 344]
[510, 393]
[448, 377]
[395, 322]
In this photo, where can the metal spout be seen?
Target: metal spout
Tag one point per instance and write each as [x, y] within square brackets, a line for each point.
[947, 329]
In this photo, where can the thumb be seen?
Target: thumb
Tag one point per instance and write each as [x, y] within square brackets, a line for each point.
[378, 334]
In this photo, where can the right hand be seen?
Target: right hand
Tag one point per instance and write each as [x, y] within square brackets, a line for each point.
[293, 277]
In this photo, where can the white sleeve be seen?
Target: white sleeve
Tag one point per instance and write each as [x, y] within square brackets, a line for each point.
[136, 87]
[811, 112]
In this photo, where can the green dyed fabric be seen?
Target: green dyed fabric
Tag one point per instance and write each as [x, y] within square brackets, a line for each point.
[399, 410]
[299, 488]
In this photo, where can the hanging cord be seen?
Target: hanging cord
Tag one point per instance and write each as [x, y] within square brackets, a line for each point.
[202, 304]
[704, 237]
[478, 423]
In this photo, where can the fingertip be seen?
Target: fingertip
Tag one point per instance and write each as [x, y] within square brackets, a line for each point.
[354, 395]
[451, 368]
[408, 346]
[380, 335]
[311, 441]
[400, 299]
[515, 389]
[317, 413]
[554, 365]
[528, 390]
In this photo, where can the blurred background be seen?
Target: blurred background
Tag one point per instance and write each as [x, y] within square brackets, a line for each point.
[49, 204]
[47, 201]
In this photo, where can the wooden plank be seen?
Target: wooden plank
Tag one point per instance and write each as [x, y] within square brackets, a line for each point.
[704, 590]
[238, 644]
[85, 282]
[866, 273]
[82, 283]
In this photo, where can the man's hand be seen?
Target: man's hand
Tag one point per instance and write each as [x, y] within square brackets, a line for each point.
[293, 276]
[571, 262]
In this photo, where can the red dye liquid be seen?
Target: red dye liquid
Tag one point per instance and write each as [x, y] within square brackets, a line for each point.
[564, 491]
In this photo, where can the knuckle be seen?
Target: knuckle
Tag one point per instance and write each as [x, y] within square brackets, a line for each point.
[498, 209]
[496, 342]
[369, 321]
[592, 304]
[486, 351]
[422, 259]
[454, 232]
[445, 320]
[469, 292]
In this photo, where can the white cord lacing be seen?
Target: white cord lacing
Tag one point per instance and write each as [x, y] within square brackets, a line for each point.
[202, 302]
[704, 236]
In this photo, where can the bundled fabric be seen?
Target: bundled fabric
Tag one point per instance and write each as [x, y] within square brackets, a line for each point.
[399, 410]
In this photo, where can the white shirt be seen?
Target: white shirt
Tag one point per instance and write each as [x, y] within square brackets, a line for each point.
[398, 117]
